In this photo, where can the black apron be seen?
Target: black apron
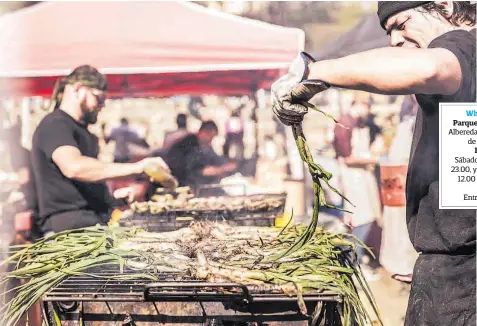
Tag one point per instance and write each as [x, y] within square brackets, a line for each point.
[443, 286]
[76, 219]
[443, 291]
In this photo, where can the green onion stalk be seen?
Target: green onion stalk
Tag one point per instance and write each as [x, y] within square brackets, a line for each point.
[324, 263]
[319, 176]
[208, 251]
[49, 261]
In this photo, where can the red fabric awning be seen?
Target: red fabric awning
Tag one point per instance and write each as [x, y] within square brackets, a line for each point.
[145, 48]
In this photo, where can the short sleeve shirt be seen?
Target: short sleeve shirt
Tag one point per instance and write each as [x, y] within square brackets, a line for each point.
[57, 193]
[187, 158]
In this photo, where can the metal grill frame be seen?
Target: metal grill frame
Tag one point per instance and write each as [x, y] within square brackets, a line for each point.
[250, 299]
[330, 318]
[167, 221]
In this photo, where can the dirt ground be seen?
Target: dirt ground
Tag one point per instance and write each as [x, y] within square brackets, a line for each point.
[391, 297]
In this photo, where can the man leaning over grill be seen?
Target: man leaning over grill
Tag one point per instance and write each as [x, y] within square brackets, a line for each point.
[432, 55]
[70, 179]
[194, 162]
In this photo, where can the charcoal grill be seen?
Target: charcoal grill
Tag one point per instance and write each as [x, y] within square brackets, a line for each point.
[179, 299]
[175, 219]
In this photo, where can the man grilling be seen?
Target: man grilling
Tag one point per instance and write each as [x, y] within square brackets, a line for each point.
[432, 55]
[69, 178]
[123, 136]
[194, 162]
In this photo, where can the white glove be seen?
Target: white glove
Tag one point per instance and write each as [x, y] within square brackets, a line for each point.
[292, 89]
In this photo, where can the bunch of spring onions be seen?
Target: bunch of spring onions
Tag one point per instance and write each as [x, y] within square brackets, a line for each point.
[208, 251]
[319, 176]
[46, 263]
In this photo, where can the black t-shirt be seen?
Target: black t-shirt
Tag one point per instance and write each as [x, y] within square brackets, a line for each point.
[432, 230]
[56, 193]
[187, 158]
[177, 157]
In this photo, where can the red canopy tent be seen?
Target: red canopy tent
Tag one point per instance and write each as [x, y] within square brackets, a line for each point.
[147, 49]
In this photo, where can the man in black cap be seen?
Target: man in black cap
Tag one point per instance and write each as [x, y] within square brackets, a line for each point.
[68, 176]
[432, 55]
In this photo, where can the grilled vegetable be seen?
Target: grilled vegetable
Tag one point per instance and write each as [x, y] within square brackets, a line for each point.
[186, 201]
[210, 251]
[319, 176]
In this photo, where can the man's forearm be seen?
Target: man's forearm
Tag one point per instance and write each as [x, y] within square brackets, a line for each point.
[92, 170]
[393, 71]
[212, 171]
[219, 170]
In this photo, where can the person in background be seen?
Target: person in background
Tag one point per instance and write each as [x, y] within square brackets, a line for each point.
[195, 105]
[397, 253]
[409, 108]
[194, 162]
[20, 160]
[388, 134]
[234, 130]
[24, 204]
[353, 151]
[432, 55]
[399, 150]
[173, 136]
[368, 121]
[342, 136]
[376, 138]
[357, 119]
[123, 136]
[69, 178]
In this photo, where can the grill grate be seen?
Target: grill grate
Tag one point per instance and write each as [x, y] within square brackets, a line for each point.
[178, 218]
[175, 298]
[168, 287]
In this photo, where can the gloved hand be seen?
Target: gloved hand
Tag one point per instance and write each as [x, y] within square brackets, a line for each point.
[291, 90]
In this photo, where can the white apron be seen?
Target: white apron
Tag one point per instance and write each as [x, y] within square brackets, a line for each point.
[360, 185]
[397, 253]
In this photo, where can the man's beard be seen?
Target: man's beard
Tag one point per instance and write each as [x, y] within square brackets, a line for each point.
[89, 117]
